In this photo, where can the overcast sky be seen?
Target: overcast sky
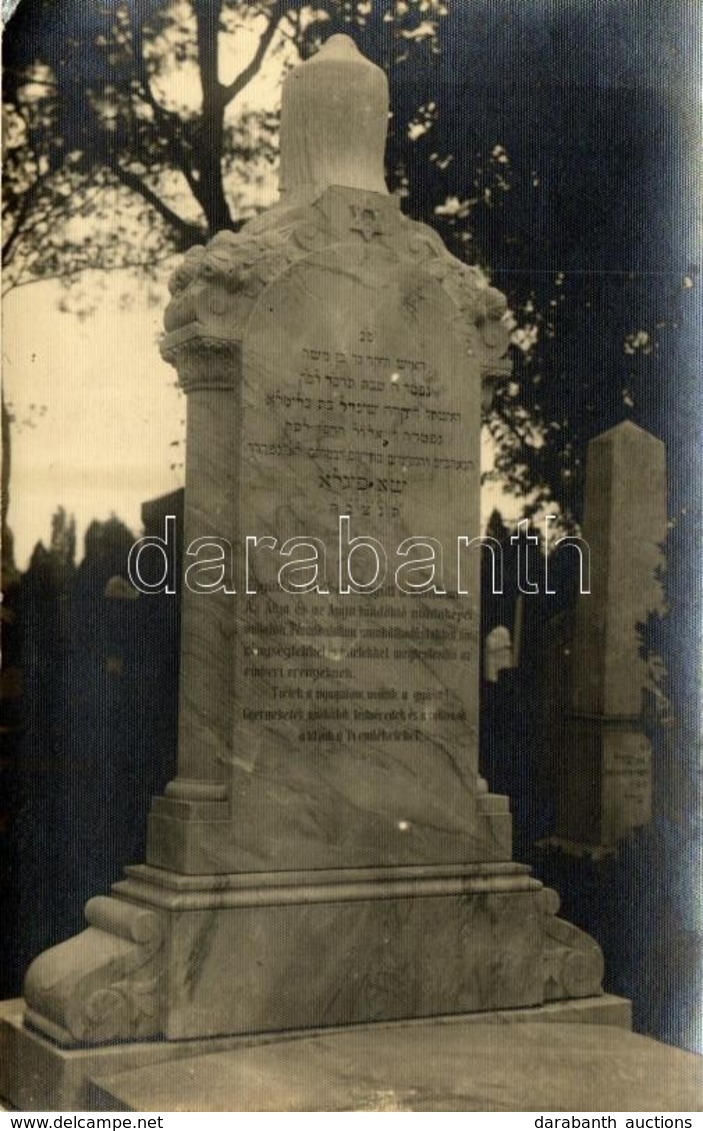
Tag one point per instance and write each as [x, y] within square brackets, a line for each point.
[97, 413]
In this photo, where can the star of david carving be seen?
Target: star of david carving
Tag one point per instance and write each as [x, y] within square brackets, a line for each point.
[366, 221]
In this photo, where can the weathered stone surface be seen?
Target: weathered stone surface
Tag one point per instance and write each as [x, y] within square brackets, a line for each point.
[314, 949]
[333, 354]
[354, 717]
[105, 984]
[337, 86]
[205, 956]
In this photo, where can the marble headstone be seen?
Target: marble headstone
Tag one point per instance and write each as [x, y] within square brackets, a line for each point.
[327, 853]
[346, 688]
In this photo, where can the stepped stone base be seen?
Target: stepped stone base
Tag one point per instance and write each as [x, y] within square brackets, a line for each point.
[178, 957]
[38, 1075]
[182, 961]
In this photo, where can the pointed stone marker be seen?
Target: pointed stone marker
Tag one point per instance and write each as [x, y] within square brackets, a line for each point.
[605, 772]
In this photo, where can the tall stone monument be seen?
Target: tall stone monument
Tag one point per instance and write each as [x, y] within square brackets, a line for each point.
[327, 853]
[605, 786]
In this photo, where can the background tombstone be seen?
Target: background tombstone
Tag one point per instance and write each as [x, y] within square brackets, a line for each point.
[498, 652]
[605, 787]
[327, 853]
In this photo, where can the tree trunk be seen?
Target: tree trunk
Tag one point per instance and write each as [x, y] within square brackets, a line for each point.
[210, 190]
[211, 193]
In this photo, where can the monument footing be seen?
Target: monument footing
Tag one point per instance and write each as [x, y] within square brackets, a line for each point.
[37, 1075]
[181, 957]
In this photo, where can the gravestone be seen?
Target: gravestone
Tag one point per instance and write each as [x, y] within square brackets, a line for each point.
[327, 853]
[555, 697]
[498, 653]
[605, 788]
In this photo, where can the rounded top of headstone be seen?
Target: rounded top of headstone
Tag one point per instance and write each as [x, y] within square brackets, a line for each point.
[334, 120]
[340, 47]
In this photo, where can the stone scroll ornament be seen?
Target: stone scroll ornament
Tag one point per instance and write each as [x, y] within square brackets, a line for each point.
[104, 985]
[216, 287]
[378, 853]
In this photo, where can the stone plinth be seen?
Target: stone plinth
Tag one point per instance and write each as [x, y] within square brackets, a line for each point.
[177, 956]
[434, 1067]
[41, 1076]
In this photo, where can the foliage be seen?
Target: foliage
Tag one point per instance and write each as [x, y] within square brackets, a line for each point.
[111, 103]
[532, 136]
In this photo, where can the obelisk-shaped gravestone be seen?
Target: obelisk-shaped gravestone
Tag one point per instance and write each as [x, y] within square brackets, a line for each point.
[327, 853]
[605, 772]
[337, 425]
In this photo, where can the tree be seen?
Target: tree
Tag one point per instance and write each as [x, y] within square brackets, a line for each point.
[532, 141]
[97, 120]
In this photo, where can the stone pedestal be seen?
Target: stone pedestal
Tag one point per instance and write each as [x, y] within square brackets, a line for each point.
[180, 957]
[328, 853]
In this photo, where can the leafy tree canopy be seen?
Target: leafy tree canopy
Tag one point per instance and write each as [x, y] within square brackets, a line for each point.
[549, 142]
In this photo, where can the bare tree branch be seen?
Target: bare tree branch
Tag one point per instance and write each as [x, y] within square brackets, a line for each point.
[207, 16]
[9, 244]
[209, 138]
[188, 232]
[27, 202]
[228, 93]
[81, 269]
[166, 118]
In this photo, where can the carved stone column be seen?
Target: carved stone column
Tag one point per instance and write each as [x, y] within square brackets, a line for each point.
[209, 367]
